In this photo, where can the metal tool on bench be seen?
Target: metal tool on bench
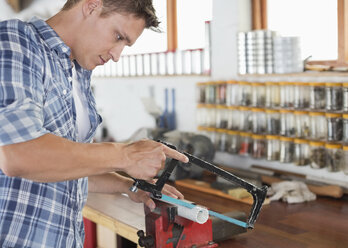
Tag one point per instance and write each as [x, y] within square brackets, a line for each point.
[258, 194]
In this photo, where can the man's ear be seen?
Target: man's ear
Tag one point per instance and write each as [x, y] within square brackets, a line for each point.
[90, 6]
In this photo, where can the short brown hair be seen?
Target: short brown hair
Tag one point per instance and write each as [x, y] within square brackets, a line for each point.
[140, 8]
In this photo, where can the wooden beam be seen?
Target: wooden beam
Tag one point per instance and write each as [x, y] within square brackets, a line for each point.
[342, 19]
[263, 14]
[172, 31]
[256, 14]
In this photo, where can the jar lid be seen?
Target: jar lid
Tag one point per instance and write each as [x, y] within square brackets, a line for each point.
[333, 115]
[210, 129]
[301, 83]
[300, 141]
[286, 139]
[345, 116]
[200, 105]
[257, 84]
[316, 113]
[333, 146]
[257, 136]
[232, 132]
[272, 83]
[232, 82]
[272, 137]
[345, 148]
[244, 108]
[221, 106]
[244, 83]
[285, 83]
[210, 106]
[220, 82]
[257, 110]
[244, 134]
[333, 84]
[317, 84]
[232, 107]
[272, 111]
[300, 112]
[316, 143]
[201, 128]
[221, 130]
[345, 84]
[285, 111]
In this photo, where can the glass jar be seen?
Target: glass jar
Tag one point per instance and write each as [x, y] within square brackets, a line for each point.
[221, 117]
[211, 116]
[273, 147]
[334, 157]
[345, 97]
[345, 160]
[245, 120]
[301, 95]
[210, 93]
[301, 155]
[258, 96]
[245, 93]
[211, 134]
[317, 154]
[201, 92]
[286, 150]
[286, 94]
[232, 94]
[220, 140]
[301, 124]
[334, 96]
[318, 126]
[272, 95]
[233, 142]
[220, 93]
[345, 129]
[334, 127]
[201, 116]
[258, 146]
[287, 123]
[245, 144]
[317, 96]
[233, 118]
[258, 121]
[272, 122]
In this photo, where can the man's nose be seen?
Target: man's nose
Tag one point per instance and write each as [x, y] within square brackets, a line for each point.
[116, 52]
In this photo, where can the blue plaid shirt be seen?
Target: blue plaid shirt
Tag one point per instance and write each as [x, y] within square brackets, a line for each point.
[35, 99]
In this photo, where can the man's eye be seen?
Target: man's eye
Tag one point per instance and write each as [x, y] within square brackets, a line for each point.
[119, 37]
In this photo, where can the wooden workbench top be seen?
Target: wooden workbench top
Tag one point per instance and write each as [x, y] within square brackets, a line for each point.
[321, 224]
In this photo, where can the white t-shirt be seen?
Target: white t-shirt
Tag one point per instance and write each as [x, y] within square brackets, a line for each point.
[83, 123]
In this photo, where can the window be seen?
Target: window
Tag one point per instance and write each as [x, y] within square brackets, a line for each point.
[150, 41]
[314, 21]
[192, 16]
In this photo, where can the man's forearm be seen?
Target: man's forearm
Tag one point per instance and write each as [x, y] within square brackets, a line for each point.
[50, 158]
[109, 183]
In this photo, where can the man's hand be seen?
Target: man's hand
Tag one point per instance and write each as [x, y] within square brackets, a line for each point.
[143, 159]
[144, 197]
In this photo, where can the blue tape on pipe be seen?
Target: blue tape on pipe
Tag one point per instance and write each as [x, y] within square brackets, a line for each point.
[212, 213]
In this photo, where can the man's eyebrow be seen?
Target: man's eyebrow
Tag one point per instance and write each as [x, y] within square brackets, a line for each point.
[127, 39]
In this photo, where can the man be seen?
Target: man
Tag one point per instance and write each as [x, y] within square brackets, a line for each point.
[48, 118]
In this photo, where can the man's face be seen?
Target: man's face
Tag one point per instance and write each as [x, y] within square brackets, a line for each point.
[103, 38]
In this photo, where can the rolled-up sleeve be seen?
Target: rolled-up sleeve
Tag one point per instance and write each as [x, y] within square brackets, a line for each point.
[21, 87]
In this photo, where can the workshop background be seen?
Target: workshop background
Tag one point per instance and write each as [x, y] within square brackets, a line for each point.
[258, 87]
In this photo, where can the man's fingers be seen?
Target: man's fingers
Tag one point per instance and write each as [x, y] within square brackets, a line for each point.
[175, 154]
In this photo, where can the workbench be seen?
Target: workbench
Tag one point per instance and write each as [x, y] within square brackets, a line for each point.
[321, 224]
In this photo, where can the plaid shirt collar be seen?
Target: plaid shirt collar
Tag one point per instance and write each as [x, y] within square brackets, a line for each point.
[53, 41]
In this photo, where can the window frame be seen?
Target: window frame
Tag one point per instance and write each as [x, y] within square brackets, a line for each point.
[259, 21]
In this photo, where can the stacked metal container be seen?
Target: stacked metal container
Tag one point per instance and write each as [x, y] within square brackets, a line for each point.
[287, 55]
[261, 52]
[255, 52]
